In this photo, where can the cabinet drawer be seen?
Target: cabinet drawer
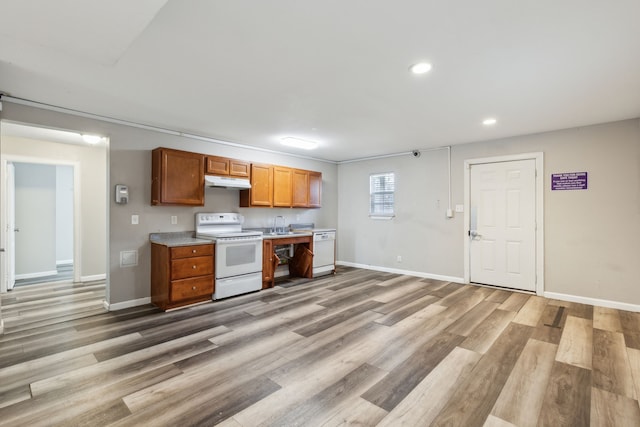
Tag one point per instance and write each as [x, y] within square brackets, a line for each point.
[192, 288]
[191, 251]
[191, 267]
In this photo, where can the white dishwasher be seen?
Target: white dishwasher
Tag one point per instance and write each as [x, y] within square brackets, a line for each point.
[324, 252]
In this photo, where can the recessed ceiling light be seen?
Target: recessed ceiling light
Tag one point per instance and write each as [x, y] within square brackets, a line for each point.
[489, 122]
[299, 143]
[91, 139]
[420, 68]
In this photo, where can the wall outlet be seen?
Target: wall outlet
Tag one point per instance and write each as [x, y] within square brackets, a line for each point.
[399, 258]
[459, 208]
[135, 219]
[174, 219]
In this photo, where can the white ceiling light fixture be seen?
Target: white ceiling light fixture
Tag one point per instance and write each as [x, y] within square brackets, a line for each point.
[91, 139]
[420, 68]
[489, 122]
[299, 143]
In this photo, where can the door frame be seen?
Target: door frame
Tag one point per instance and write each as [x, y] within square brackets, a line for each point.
[77, 237]
[538, 157]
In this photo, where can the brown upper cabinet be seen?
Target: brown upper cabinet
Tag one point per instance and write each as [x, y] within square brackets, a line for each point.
[282, 190]
[261, 192]
[288, 187]
[296, 188]
[300, 193]
[177, 177]
[227, 167]
[315, 189]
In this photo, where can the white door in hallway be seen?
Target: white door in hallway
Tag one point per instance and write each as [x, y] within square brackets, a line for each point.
[502, 229]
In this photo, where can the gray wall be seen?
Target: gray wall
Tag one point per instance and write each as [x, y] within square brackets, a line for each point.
[36, 219]
[420, 227]
[591, 236]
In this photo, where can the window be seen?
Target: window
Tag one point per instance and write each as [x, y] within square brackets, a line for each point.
[381, 195]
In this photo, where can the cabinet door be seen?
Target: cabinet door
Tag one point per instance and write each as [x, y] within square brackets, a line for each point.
[238, 168]
[177, 178]
[300, 189]
[267, 264]
[217, 165]
[261, 193]
[282, 186]
[315, 189]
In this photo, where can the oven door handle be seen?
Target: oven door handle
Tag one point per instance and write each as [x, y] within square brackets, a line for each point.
[238, 241]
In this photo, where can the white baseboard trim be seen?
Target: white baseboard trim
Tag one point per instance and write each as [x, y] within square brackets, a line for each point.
[126, 304]
[36, 275]
[64, 262]
[93, 278]
[593, 301]
[405, 272]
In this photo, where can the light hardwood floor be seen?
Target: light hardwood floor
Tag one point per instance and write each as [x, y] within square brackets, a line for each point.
[359, 348]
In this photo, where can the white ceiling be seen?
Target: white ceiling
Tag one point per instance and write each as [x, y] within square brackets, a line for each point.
[333, 71]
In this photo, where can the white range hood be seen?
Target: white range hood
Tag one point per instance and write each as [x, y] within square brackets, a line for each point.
[226, 182]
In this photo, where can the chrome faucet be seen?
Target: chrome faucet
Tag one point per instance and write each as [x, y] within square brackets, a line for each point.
[278, 224]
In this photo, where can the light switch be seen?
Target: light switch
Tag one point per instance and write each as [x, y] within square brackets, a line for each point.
[174, 219]
[135, 219]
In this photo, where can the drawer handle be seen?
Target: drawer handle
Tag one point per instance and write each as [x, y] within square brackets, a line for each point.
[194, 267]
[194, 251]
[194, 288]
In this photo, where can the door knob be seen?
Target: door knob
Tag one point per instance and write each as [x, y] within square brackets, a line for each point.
[474, 234]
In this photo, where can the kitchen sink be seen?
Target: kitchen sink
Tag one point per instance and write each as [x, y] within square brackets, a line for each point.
[285, 233]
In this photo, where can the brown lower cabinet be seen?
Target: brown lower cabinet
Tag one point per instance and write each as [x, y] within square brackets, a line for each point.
[270, 261]
[181, 275]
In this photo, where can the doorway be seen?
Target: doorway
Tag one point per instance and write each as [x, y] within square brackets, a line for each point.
[41, 214]
[43, 224]
[504, 222]
[79, 255]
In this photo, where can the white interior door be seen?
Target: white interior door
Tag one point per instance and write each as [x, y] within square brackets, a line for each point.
[502, 229]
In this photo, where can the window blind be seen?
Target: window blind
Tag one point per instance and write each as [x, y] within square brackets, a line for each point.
[381, 194]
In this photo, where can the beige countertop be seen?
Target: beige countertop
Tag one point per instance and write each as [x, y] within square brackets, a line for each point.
[287, 235]
[177, 239]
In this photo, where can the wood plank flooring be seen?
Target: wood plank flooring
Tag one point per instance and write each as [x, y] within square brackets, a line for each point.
[358, 348]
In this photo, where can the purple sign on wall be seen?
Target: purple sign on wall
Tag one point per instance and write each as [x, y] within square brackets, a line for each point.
[569, 181]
